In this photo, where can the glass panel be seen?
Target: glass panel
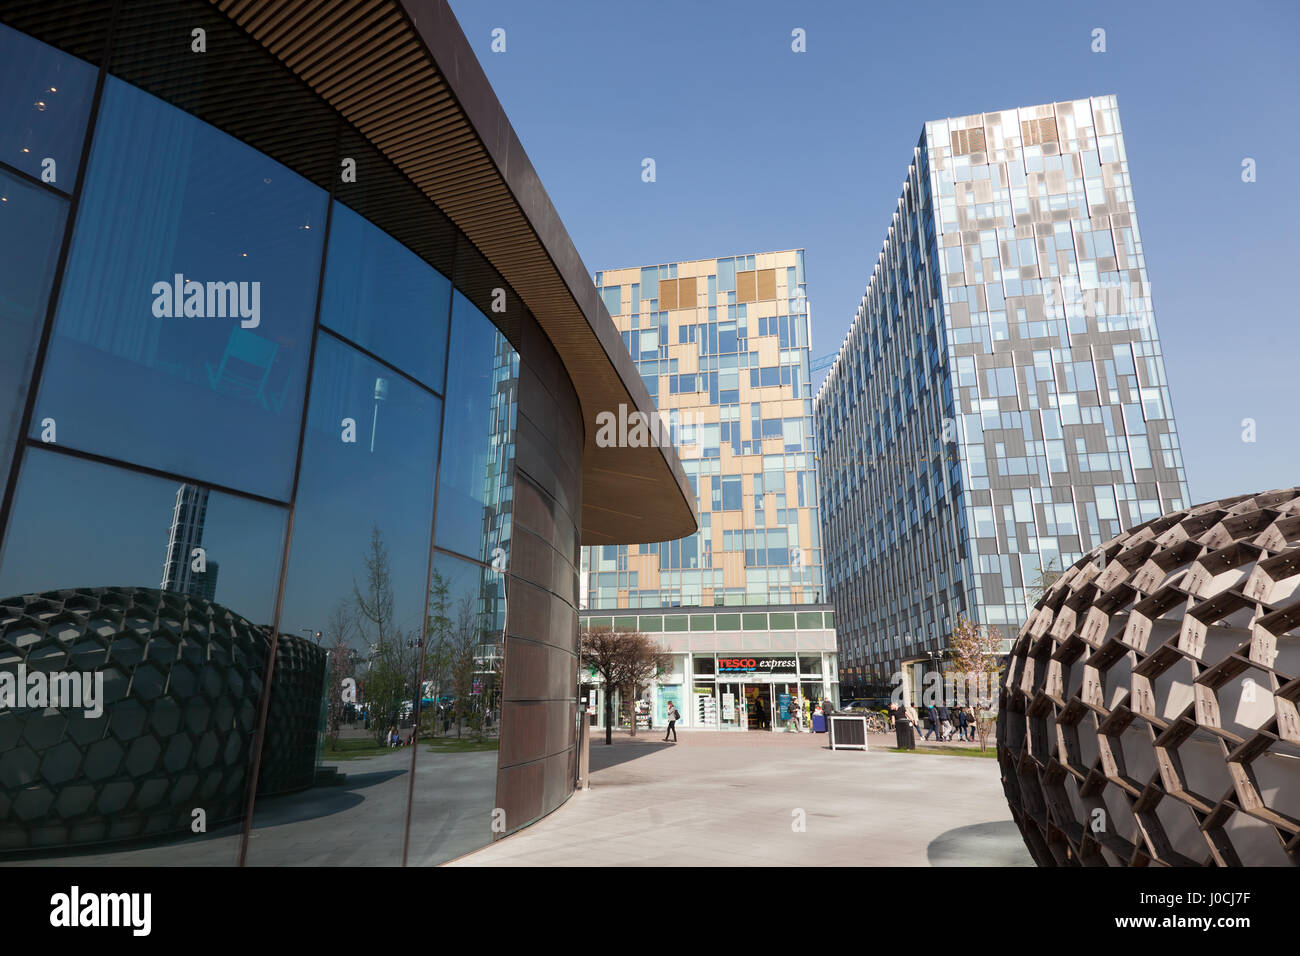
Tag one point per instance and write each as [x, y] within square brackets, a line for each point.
[728, 622]
[676, 622]
[456, 766]
[781, 621]
[358, 571]
[474, 484]
[810, 620]
[385, 298]
[185, 326]
[625, 623]
[701, 622]
[703, 665]
[31, 228]
[652, 624]
[593, 623]
[755, 622]
[45, 99]
[810, 665]
[170, 728]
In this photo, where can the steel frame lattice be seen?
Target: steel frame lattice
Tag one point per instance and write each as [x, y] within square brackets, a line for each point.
[1149, 708]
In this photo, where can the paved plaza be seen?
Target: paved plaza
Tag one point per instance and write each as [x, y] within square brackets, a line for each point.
[733, 799]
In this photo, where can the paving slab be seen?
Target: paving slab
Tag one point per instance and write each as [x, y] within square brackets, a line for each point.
[763, 799]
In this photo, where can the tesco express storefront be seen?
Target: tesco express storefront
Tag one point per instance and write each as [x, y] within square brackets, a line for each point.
[732, 669]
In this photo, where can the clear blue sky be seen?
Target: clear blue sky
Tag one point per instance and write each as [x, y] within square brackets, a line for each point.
[758, 148]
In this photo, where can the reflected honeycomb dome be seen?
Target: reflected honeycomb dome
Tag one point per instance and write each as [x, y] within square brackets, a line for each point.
[182, 683]
[1148, 711]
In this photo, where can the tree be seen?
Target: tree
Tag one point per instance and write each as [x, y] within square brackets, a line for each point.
[339, 630]
[390, 665]
[465, 639]
[437, 655]
[1047, 575]
[976, 654]
[624, 660]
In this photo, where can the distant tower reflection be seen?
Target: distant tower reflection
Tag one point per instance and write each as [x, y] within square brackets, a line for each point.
[184, 537]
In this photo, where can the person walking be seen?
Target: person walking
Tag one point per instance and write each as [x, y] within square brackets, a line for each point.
[945, 723]
[674, 715]
[932, 713]
[913, 717]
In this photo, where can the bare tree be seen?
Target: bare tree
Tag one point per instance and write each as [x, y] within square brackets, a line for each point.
[1047, 575]
[339, 629]
[976, 654]
[390, 664]
[625, 661]
[465, 639]
[374, 607]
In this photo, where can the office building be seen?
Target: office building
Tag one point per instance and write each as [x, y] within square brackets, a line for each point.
[999, 405]
[722, 345]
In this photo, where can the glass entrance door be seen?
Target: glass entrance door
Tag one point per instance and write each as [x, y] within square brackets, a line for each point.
[758, 705]
[730, 707]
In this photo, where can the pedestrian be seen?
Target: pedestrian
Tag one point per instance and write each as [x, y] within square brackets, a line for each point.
[674, 715]
[932, 713]
[945, 722]
[893, 713]
[912, 716]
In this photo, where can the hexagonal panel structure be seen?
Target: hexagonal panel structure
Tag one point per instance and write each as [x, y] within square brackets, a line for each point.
[1149, 711]
[168, 718]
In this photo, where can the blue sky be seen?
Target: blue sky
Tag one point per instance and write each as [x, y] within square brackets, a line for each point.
[758, 148]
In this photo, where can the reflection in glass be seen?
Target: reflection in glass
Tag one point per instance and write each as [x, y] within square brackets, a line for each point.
[181, 678]
[358, 572]
[45, 99]
[475, 484]
[385, 298]
[455, 784]
[31, 228]
[184, 326]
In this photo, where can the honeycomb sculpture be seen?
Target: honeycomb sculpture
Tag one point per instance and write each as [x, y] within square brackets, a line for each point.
[182, 686]
[1149, 707]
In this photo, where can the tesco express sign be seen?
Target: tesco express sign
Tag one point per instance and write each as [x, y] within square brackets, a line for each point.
[750, 664]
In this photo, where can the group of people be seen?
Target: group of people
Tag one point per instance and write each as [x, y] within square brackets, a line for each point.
[945, 723]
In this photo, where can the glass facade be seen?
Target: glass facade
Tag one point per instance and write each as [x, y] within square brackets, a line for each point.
[245, 400]
[999, 406]
[722, 345]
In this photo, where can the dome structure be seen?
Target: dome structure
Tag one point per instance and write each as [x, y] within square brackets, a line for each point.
[1148, 713]
[182, 683]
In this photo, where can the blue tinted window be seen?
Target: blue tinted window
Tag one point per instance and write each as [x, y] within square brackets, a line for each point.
[359, 573]
[474, 478]
[44, 101]
[368, 464]
[126, 526]
[385, 298]
[177, 213]
[31, 228]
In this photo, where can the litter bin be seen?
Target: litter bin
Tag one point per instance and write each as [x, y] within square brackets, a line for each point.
[819, 724]
[905, 733]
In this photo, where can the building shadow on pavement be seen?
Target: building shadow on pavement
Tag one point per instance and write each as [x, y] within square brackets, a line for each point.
[982, 844]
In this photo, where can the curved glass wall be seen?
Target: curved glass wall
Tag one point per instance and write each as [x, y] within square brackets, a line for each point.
[260, 424]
